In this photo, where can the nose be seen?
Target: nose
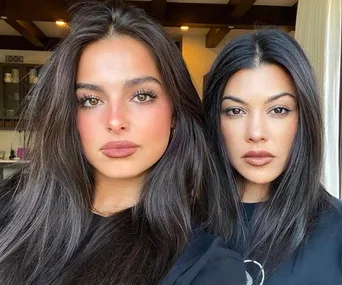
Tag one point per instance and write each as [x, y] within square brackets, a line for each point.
[256, 129]
[117, 120]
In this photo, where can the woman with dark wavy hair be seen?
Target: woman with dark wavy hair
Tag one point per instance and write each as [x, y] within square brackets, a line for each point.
[264, 121]
[120, 181]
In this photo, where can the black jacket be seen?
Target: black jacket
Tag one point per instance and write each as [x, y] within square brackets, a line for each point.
[207, 261]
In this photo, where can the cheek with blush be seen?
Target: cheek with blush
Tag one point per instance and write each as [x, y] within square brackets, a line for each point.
[158, 123]
[88, 130]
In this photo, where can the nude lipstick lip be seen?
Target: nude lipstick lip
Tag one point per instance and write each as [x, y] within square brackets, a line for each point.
[119, 149]
[258, 158]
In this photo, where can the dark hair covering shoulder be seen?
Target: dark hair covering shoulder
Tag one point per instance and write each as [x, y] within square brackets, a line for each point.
[296, 198]
[47, 212]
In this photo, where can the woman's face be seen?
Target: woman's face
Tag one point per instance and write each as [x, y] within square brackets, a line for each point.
[259, 117]
[124, 113]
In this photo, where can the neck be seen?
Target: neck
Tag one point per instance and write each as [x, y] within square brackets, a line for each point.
[254, 193]
[114, 195]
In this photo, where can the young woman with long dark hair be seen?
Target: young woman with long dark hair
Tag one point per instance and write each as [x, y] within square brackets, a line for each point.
[120, 181]
[265, 125]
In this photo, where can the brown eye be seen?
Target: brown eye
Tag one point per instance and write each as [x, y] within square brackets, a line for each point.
[236, 111]
[141, 97]
[93, 101]
[89, 102]
[280, 111]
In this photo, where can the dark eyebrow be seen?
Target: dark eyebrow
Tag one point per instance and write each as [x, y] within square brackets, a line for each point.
[233, 98]
[135, 81]
[129, 83]
[88, 86]
[277, 96]
[270, 99]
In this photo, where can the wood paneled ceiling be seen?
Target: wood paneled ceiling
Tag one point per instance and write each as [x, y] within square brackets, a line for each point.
[219, 16]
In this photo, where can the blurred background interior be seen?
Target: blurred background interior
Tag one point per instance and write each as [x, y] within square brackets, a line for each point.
[29, 31]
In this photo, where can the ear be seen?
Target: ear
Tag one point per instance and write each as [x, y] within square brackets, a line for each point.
[173, 122]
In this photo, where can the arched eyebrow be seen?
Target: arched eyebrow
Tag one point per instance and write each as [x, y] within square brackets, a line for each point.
[128, 83]
[233, 98]
[139, 80]
[270, 99]
[88, 86]
[277, 96]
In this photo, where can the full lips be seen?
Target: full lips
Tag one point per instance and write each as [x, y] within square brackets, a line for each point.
[119, 152]
[258, 161]
[119, 149]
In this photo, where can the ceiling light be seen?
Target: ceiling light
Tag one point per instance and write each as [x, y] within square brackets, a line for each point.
[184, 28]
[60, 23]
[231, 27]
[3, 17]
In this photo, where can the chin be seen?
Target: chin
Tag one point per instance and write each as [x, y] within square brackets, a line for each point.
[119, 176]
[260, 179]
[260, 182]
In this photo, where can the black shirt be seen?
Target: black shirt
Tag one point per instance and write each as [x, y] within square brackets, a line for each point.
[318, 261]
[205, 260]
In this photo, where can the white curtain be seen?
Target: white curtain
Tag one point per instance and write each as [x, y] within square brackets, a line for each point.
[318, 30]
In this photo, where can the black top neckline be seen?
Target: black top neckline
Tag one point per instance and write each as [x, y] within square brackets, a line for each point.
[249, 209]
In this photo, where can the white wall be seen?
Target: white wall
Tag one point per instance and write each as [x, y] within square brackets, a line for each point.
[318, 30]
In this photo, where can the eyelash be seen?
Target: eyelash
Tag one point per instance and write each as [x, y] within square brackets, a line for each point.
[82, 100]
[283, 108]
[226, 111]
[149, 93]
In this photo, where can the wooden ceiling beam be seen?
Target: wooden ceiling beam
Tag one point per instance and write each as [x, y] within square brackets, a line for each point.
[234, 2]
[32, 28]
[176, 14]
[28, 30]
[20, 43]
[241, 14]
[158, 8]
[49, 10]
[2, 5]
[214, 36]
[242, 8]
[216, 16]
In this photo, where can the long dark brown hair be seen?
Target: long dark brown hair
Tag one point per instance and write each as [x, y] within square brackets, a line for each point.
[46, 237]
[296, 197]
